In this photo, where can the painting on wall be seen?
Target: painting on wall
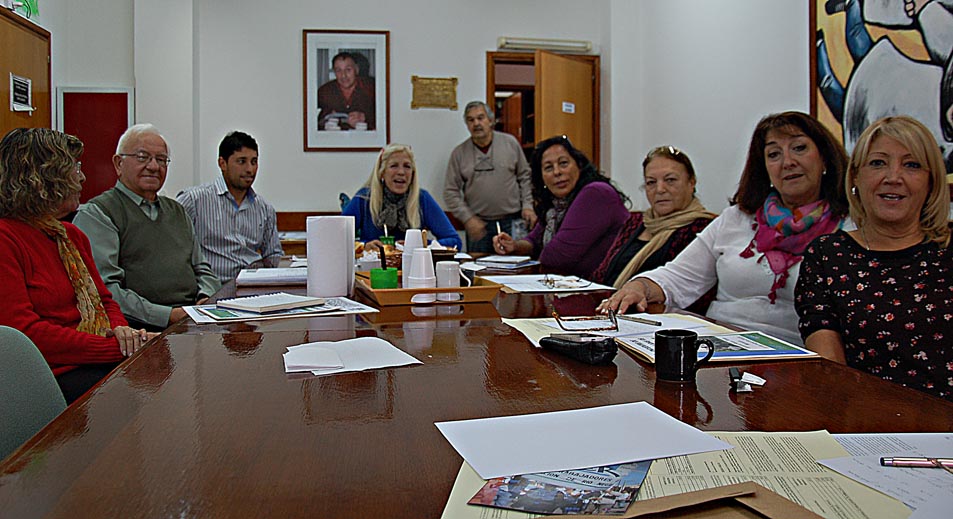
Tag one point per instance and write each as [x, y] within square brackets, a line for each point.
[874, 58]
[346, 90]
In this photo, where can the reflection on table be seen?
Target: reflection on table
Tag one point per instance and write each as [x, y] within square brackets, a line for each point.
[204, 422]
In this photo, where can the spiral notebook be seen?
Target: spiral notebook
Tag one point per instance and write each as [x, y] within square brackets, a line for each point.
[265, 303]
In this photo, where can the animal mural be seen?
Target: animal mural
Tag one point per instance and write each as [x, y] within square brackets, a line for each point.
[877, 58]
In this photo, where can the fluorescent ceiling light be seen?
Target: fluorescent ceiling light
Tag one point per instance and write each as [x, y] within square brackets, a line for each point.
[512, 43]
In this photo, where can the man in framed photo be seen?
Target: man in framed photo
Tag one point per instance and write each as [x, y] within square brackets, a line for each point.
[347, 101]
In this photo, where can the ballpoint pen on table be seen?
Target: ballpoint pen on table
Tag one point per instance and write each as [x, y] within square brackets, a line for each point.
[930, 463]
[639, 320]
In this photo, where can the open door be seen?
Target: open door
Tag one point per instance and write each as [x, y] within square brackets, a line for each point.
[567, 101]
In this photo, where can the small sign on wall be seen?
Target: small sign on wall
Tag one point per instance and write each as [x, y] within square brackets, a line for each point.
[21, 94]
[434, 92]
[569, 108]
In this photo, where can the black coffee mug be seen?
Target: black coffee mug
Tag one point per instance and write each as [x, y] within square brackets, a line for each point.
[676, 355]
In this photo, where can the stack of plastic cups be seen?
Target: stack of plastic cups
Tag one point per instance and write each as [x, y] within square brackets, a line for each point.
[422, 275]
[412, 240]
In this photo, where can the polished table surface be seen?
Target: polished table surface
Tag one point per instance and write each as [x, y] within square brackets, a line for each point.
[205, 423]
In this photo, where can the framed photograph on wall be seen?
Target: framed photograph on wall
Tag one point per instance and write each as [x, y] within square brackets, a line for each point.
[346, 90]
[877, 58]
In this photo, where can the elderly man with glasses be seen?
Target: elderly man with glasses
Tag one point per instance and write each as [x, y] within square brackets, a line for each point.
[488, 181]
[143, 243]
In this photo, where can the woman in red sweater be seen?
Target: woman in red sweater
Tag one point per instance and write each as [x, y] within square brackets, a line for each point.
[52, 290]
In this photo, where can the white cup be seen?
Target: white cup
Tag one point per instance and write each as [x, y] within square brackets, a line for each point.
[422, 275]
[448, 276]
[421, 265]
[413, 239]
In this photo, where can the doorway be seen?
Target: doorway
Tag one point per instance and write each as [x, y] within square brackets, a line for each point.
[542, 94]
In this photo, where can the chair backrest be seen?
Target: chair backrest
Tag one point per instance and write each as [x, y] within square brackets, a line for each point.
[29, 395]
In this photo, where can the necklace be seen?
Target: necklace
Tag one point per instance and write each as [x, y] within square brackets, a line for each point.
[863, 232]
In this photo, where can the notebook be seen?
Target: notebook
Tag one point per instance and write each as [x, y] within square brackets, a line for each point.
[265, 303]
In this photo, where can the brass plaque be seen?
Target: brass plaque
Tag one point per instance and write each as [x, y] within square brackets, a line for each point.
[434, 92]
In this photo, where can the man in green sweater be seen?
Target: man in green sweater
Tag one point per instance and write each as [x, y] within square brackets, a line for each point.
[143, 243]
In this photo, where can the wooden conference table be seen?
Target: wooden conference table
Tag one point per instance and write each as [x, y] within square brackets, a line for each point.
[205, 423]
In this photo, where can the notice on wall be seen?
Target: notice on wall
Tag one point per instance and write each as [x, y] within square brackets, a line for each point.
[569, 108]
[21, 94]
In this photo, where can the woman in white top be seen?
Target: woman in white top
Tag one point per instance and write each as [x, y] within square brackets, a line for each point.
[791, 191]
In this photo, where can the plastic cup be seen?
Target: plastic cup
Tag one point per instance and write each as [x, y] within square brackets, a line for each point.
[384, 278]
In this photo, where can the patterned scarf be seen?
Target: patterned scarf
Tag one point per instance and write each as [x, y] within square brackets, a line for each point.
[394, 213]
[781, 235]
[554, 217]
[93, 318]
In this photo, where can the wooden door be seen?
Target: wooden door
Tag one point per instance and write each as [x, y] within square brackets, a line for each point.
[512, 116]
[567, 100]
[25, 52]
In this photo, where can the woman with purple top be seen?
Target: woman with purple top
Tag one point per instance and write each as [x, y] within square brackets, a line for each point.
[580, 211]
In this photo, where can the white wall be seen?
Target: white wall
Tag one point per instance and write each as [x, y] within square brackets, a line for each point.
[694, 74]
[706, 72]
[91, 43]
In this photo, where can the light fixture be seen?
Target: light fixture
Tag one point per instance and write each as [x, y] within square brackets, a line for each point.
[512, 43]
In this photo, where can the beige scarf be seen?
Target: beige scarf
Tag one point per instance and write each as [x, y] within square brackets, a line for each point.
[661, 229]
[93, 318]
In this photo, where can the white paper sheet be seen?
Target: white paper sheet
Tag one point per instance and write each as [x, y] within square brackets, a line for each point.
[272, 277]
[362, 354]
[563, 440]
[346, 307]
[915, 487]
[536, 328]
[532, 283]
[311, 357]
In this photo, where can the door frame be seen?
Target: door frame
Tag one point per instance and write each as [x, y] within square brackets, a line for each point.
[529, 58]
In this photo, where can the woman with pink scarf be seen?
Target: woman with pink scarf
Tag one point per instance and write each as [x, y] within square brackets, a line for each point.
[791, 191]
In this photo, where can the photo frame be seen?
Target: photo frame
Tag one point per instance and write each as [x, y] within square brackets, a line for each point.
[346, 90]
[872, 59]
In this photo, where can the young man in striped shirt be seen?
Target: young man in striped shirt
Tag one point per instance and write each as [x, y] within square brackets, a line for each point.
[236, 226]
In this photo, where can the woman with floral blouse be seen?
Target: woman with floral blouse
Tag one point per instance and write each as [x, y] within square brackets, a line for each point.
[880, 298]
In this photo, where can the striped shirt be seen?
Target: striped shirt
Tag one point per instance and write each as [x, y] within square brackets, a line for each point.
[233, 236]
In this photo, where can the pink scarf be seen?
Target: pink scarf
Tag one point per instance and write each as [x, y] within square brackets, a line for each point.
[782, 234]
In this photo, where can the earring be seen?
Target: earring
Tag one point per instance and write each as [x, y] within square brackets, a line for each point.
[853, 190]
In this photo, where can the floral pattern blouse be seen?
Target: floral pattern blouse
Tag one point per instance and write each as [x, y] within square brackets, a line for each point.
[893, 309]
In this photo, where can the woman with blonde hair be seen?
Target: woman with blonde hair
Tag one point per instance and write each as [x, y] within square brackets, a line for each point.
[52, 290]
[392, 197]
[878, 298]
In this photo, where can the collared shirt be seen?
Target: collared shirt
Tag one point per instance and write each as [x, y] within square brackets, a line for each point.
[104, 238]
[233, 236]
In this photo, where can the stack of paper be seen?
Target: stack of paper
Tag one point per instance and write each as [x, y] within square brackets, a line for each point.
[360, 354]
[264, 303]
[506, 262]
[272, 277]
